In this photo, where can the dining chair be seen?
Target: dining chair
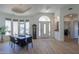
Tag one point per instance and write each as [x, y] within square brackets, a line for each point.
[13, 41]
[29, 40]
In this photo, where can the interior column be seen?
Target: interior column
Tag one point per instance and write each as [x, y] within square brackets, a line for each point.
[12, 26]
[52, 27]
[61, 27]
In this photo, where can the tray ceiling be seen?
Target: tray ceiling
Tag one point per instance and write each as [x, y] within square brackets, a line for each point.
[29, 9]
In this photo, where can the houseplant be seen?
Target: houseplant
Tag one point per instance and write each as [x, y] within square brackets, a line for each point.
[2, 32]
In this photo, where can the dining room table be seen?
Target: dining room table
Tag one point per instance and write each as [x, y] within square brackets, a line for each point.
[23, 40]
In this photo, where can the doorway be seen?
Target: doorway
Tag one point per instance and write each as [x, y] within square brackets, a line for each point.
[44, 27]
[70, 27]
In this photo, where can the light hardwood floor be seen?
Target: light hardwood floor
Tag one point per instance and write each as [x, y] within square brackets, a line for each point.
[42, 46]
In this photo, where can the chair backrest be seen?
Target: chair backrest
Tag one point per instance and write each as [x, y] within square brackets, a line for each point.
[29, 40]
[12, 39]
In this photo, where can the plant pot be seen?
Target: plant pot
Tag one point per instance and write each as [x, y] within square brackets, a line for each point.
[1, 38]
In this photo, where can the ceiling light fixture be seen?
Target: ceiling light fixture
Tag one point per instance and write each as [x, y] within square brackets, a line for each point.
[70, 8]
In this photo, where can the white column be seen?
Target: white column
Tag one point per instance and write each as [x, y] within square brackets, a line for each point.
[18, 26]
[78, 26]
[61, 27]
[72, 29]
[30, 26]
[11, 26]
[52, 27]
[24, 26]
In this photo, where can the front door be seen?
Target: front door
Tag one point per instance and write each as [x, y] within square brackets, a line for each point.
[44, 29]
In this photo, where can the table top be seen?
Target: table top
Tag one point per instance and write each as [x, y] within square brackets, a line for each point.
[22, 37]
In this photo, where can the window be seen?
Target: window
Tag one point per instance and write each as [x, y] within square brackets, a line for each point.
[15, 27]
[21, 27]
[44, 28]
[27, 27]
[39, 29]
[49, 29]
[44, 18]
[8, 27]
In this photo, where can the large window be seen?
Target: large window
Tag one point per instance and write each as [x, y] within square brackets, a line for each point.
[8, 27]
[15, 27]
[21, 27]
[27, 27]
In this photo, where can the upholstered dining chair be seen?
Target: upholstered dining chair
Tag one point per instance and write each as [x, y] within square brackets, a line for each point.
[13, 41]
[29, 41]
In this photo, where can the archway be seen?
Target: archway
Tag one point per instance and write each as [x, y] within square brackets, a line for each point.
[71, 27]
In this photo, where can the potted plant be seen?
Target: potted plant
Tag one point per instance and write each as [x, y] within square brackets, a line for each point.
[2, 32]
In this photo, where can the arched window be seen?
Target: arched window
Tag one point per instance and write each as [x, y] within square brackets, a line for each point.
[44, 18]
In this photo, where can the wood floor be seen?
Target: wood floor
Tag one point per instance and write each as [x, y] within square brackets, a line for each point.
[42, 46]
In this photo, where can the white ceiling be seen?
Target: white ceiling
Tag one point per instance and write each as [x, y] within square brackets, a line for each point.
[35, 8]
